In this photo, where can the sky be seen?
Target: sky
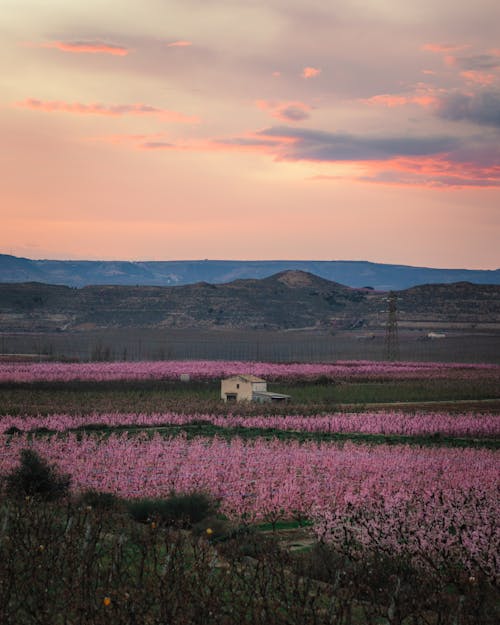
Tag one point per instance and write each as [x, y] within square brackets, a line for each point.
[251, 129]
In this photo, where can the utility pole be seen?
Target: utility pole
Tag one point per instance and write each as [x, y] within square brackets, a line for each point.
[391, 329]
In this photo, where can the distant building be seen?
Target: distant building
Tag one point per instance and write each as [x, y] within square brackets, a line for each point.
[248, 388]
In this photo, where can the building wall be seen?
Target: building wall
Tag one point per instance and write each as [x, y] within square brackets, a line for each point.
[259, 387]
[242, 389]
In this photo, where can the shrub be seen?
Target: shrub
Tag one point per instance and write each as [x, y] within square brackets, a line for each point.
[35, 477]
[99, 501]
[12, 430]
[215, 529]
[177, 509]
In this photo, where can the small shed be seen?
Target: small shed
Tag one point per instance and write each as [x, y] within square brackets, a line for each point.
[248, 388]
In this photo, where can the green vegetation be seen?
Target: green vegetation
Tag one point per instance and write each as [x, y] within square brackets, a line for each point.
[72, 563]
[34, 477]
[194, 430]
[392, 391]
[203, 397]
[185, 510]
[95, 559]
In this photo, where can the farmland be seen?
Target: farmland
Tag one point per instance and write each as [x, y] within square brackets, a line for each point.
[377, 479]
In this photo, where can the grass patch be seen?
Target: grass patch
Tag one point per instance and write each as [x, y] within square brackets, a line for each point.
[182, 510]
[308, 397]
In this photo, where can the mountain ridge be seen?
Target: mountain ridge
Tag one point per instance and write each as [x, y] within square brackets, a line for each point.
[287, 300]
[356, 274]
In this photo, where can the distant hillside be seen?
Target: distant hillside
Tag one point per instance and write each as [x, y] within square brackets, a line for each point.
[287, 300]
[171, 273]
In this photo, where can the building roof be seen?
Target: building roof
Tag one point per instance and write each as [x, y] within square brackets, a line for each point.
[271, 394]
[246, 378]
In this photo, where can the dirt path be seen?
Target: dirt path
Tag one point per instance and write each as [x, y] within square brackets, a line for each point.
[454, 405]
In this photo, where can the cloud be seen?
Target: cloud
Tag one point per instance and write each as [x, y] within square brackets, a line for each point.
[310, 72]
[479, 78]
[319, 145]
[433, 161]
[116, 110]
[438, 162]
[92, 47]
[157, 145]
[431, 176]
[470, 62]
[444, 48]
[179, 44]
[394, 100]
[286, 111]
[130, 139]
[478, 62]
[482, 108]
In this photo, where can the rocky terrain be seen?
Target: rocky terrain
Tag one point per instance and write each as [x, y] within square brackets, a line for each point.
[287, 300]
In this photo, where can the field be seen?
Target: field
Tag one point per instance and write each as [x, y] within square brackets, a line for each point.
[370, 498]
[464, 342]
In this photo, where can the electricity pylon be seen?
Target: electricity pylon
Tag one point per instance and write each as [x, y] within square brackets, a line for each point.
[391, 329]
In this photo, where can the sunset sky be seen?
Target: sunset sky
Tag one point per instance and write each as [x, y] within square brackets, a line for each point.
[251, 129]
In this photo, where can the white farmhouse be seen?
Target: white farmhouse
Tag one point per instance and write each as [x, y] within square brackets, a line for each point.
[248, 388]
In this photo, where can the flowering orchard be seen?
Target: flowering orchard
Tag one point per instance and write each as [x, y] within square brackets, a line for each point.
[376, 423]
[210, 369]
[439, 503]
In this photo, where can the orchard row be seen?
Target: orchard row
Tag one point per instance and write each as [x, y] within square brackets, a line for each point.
[438, 505]
[371, 423]
[213, 369]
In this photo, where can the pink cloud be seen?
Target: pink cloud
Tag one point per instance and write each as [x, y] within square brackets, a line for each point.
[444, 48]
[116, 110]
[285, 111]
[92, 47]
[447, 164]
[179, 44]
[439, 171]
[395, 100]
[310, 72]
[129, 139]
[480, 78]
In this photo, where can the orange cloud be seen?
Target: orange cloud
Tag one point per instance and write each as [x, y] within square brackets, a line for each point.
[179, 44]
[444, 48]
[285, 111]
[435, 171]
[116, 110]
[394, 100]
[158, 142]
[383, 161]
[129, 139]
[480, 78]
[92, 47]
[310, 72]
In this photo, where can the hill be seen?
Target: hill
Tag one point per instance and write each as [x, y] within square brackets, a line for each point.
[355, 274]
[287, 300]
